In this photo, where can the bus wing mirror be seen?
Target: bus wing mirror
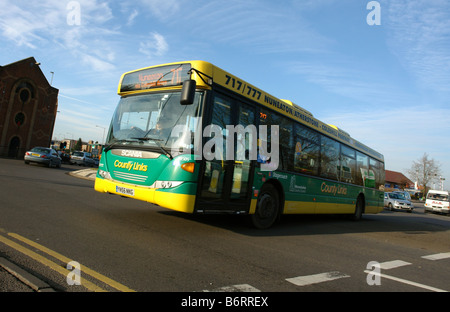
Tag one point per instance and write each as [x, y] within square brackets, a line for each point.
[188, 92]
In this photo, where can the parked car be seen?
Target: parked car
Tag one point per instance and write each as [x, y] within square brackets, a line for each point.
[82, 158]
[397, 200]
[64, 157]
[405, 193]
[43, 155]
[437, 201]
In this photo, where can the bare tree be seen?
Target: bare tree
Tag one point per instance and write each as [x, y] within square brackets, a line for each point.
[425, 171]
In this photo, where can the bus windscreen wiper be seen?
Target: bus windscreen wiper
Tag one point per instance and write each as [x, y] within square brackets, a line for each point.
[112, 144]
[157, 143]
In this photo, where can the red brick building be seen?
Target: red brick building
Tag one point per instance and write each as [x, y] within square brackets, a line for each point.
[28, 105]
[397, 180]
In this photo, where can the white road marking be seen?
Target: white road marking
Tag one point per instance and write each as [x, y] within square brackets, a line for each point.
[331, 276]
[405, 281]
[393, 264]
[316, 278]
[235, 288]
[438, 256]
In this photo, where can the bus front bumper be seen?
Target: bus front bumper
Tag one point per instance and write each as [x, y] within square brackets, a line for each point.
[166, 198]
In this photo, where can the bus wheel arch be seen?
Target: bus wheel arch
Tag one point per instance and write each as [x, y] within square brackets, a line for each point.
[281, 195]
[268, 207]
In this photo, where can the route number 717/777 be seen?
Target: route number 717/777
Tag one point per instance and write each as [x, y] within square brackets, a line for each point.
[242, 87]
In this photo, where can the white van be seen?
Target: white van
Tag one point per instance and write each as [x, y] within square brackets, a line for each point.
[437, 201]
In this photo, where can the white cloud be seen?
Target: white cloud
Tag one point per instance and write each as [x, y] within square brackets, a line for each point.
[43, 24]
[345, 79]
[156, 45]
[419, 35]
[20, 26]
[262, 26]
[162, 9]
[132, 17]
[95, 63]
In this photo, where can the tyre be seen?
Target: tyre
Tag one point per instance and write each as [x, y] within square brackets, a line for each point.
[359, 208]
[267, 208]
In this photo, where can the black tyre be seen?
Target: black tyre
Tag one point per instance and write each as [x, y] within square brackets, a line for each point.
[359, 209]
[267, 208]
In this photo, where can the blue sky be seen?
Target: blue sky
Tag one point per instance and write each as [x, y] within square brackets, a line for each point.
[388, 85]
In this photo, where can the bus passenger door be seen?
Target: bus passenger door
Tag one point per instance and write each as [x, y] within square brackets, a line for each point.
[224, 186]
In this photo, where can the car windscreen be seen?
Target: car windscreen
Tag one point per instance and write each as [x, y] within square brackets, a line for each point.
[442, 197]
[41, 150]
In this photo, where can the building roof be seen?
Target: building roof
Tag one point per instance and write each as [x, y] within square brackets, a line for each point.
[25, 71]
[397, 177]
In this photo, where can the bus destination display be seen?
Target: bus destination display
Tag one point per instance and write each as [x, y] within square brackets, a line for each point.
[164, 76]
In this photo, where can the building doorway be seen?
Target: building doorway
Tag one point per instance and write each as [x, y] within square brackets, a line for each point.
[14, 146]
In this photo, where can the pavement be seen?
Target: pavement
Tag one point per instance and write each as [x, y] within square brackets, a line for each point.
[14, 278]
[87, 174]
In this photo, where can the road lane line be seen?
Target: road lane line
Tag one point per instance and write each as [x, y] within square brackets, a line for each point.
[316, 278]
[393, 264]
[405, 281]
[235, 288]
[438, 256]
[52, 265]
[66, 260]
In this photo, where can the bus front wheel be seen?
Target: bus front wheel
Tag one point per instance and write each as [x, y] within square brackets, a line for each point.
[267, 208]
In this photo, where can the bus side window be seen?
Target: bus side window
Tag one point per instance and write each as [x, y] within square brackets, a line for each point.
[307, 149]
[364, 176]
[377, 168]
[329, 158]
[285, 141]
[348, 164]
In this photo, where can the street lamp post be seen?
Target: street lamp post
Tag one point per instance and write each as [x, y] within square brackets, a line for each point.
[103, 138]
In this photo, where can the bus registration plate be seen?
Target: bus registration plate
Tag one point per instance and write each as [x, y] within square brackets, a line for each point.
[124, 191]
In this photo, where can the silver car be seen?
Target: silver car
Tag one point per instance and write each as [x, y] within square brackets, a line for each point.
[43, 155]
[397, 200]
[82, 158]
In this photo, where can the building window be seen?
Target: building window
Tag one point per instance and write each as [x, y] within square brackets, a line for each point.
[24, 95]
[19, 119]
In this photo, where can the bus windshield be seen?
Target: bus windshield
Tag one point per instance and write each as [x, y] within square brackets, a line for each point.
[147, 121]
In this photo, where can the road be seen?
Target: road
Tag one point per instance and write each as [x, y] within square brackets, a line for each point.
[49, 218]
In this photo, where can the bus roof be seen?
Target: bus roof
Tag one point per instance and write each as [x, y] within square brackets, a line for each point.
[171, 75]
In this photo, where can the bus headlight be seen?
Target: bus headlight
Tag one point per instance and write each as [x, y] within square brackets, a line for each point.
[166, 184]
[104, 174]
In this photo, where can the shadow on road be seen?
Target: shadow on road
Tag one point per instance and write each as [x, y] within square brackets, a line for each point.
[291, 225]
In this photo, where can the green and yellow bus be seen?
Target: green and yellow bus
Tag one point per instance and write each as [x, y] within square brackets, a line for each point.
[175, 123]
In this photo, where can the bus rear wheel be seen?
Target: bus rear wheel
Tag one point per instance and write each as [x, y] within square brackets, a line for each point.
[267, 208]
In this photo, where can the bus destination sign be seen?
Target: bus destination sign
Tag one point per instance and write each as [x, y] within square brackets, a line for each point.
[164, 76]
